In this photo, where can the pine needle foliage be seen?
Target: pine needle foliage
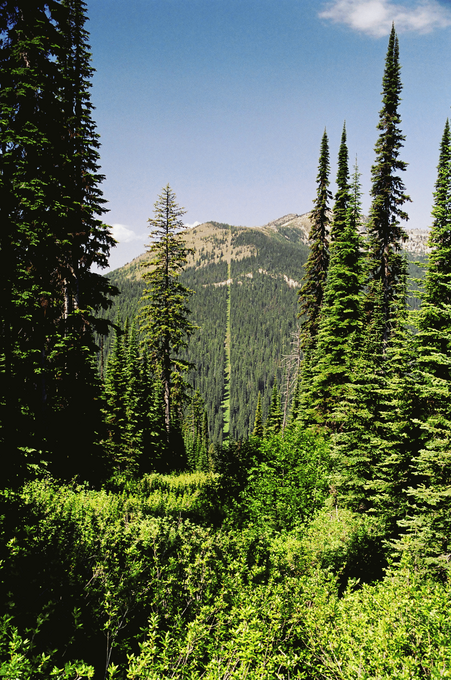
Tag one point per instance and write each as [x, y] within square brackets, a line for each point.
[430, 522]
[340, 324]
[258, 421]
[164, 316]
[313, 284]
[387, 263]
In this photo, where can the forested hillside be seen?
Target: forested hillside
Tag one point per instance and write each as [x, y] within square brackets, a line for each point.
[313, 543]
[267, 266]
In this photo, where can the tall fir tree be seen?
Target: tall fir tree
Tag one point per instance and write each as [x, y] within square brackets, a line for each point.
[311, 293]
[116, 393]
[29, 85]
[258, 420]
[313, 284]
[48, 349]
[341, 313]
[342, 196]
[429, 525]
[387, 264]
[274, 420]
[164, 315]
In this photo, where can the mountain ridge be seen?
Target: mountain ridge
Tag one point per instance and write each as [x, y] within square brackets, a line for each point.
[297, 224]
[246, 282]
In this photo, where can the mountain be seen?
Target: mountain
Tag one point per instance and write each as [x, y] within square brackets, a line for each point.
[246, 281]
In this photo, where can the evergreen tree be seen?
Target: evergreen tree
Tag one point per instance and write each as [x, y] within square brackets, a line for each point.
[314, 281]
[356, 418]
[274, 420]
[387, 264]
[116, 383]
[195, 431]
[87, 239]
[396, 431]
[430, 522]
[342, 196]
[258, 421]
[135, 398]
[29, 81]
[341, 313]
[164, 315]
[312, 291]
[47, 331]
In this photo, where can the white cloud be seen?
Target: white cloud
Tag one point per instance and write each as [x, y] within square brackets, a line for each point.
[125, 235]
[194, 224]
[375, 17]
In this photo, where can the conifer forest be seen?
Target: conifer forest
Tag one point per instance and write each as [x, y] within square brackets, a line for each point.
[231, 458]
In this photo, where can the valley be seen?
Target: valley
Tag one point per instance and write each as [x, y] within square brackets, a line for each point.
[246, 281]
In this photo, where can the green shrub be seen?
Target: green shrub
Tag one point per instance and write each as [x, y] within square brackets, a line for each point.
[398, 628]
[289, 481]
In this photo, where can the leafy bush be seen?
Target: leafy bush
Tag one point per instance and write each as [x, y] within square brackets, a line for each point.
[397, 628]
[289, 481]
[345, 543]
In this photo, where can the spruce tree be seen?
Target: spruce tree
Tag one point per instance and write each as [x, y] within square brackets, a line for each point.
[29, 84]
[313, 284]
[387, 264]
[258, 421]
[274, 420]
[46, 339]
[430, 521]
[341, 313]
[342, 195]
[314, 281]
[116, 392]
[164, 315]
[357, 418]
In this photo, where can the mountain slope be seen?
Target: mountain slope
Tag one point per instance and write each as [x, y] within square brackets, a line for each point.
[255, 273]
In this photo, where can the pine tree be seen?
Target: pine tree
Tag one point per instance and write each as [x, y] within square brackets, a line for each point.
[357, 418]
[274, 420]
[29, 81]
[314, 281]
[387, 264]
[430, 522]
[164, 316]
[116, 383]
[342, 196]
[312, 291]
[258, 421]
[341, 313]
[47, 340]
[136, 399]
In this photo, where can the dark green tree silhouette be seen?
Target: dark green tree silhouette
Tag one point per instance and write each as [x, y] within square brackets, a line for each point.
[164, 316]
[312, 292]
[50, 202]
[341, 312]
[430, 523]
[387, 264]
[274, 420]
[258, 421]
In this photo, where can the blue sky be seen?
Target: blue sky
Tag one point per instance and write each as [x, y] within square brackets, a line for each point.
[227, 100]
